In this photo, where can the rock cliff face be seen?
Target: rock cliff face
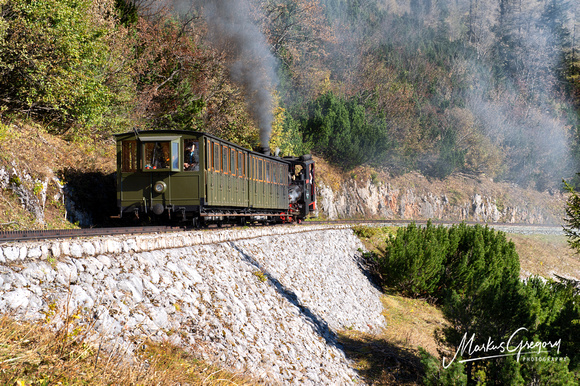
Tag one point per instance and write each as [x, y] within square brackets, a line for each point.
[459, 199]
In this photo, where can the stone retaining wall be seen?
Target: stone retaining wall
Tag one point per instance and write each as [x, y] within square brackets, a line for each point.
[264, 300]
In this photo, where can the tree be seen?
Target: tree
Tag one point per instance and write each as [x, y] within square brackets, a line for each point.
[413, 261]
[298, 33]
[572, 219]
[62, 61]
[340, 129]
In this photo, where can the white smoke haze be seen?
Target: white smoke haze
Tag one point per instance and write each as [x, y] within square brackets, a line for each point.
[526, 117]
[534, 141]
[252, 65]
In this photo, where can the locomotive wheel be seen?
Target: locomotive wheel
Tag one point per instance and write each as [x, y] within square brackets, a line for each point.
[197, 222]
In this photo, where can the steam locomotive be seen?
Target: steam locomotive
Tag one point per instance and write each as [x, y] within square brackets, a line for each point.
[202, 179]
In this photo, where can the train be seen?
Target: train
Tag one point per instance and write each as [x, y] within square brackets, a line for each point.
[198, 178]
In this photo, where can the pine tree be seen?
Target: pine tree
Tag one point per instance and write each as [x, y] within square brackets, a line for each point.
[572, 219]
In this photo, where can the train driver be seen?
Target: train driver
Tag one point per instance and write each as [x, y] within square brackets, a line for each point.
[191, 157]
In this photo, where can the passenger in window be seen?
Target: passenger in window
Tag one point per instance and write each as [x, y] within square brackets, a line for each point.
[191, 158]
[157, 155]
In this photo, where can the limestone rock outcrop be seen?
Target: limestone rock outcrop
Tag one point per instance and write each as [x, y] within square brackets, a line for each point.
[367, 200]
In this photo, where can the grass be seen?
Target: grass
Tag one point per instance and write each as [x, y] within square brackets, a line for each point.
[374, 238]
[39, 157]
[546, 256]
[33, 354]
[392, 357]
[380, 362]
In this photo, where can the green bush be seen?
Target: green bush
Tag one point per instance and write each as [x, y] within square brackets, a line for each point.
[414, 259]
[341, 130]
[473, 272]
[433, 261]
[478, 257]
[437, 375]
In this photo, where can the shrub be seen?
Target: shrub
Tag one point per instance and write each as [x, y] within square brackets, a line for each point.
[478, 256]
[436, 375]
[414, 259]
[341, 130]
[433, 261]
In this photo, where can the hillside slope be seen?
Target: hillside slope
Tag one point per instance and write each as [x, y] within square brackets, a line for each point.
[48, 182]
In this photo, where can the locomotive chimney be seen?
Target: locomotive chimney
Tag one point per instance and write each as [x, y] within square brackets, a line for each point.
[265, 150]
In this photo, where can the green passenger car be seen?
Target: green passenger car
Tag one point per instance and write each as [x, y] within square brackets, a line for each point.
[193, 175]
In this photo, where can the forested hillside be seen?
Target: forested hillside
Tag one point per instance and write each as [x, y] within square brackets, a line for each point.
[479, 86]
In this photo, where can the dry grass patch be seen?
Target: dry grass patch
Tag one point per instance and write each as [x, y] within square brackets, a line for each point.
[379, 362]
[373, 238]
[412, 322]
[329, 175]
[546, 256]
[32, 354]
[392, 357]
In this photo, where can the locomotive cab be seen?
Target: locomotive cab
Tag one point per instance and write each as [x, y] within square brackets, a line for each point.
[302, 186]
[159, 173]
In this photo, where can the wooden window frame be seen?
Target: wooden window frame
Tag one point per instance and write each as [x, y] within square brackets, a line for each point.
[129, 156]
[207, 155]
[232, 162]
[224, 159]
[216, 157]
[164, 145]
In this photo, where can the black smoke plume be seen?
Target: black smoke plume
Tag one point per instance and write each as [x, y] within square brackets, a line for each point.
[231, 29]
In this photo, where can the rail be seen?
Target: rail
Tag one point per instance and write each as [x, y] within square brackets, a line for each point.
[34, 235]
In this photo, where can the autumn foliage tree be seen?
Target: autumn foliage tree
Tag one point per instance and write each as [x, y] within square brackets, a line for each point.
[183, 83]
[62, 61]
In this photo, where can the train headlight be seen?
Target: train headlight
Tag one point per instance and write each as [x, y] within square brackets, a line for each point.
[159, 187]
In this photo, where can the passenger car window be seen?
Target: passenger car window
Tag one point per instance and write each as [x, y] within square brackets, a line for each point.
[225, 159]
[190, 155]
[129, 156]
[216, 157]
[157, 155]
[175, 155]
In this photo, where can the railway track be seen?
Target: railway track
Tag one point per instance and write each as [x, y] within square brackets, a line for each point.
[34, 235]
[504, 227]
